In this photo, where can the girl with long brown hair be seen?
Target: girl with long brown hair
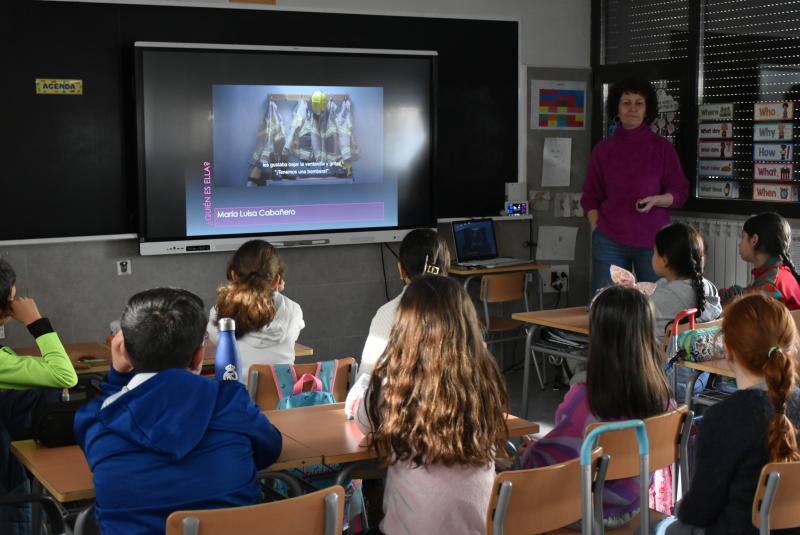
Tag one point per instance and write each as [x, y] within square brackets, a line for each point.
[267, 322]
[434, 413]
[755, 425]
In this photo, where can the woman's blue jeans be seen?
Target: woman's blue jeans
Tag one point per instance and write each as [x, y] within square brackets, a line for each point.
[606, 252]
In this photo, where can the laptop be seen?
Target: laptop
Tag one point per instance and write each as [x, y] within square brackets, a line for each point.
[476, 245]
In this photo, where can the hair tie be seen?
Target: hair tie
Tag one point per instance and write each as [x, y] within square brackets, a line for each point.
[430, 269]
[772, 351]
[781, 409]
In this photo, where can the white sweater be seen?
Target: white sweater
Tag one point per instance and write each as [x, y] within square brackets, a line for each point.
[273, 343]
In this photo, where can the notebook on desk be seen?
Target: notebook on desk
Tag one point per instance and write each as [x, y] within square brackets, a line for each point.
[476, 245]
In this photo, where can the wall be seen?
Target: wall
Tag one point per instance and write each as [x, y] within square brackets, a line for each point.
[340, 287]
[554, 33]
[580, 280]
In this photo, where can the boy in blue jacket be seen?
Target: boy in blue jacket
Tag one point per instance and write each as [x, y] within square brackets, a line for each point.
[164, 438]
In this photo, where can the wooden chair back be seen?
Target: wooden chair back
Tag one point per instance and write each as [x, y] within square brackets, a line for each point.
[664, 433]
[777, 501]
[542, 499]
[318, 513]
[503, 287]
[264, 392]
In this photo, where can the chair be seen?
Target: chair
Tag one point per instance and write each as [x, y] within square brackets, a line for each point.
[773, 509]
[539, 500]
[55, 519]
[668, 436]
[263, 391]
[320, 513]
[502, 288]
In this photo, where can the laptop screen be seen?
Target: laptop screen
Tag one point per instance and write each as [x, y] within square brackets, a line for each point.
[474, 240]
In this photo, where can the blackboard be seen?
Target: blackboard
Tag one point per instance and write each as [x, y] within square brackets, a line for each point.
[69, 162]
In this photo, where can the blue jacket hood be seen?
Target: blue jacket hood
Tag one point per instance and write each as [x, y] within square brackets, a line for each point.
[155, 415]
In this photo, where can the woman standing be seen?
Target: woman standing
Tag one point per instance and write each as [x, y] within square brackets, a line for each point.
[634, 177]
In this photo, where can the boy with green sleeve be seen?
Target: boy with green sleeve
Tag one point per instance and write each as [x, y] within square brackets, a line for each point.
[53, 369]
[25, 382]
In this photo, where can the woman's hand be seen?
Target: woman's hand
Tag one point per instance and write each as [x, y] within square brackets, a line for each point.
[24, 310]
[645, 204]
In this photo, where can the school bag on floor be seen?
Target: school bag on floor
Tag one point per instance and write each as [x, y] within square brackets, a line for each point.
[292, 396]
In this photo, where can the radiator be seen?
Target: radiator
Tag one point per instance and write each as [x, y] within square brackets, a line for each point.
[724, 267]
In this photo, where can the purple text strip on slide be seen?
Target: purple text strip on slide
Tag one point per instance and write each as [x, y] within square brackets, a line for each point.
[297, 213]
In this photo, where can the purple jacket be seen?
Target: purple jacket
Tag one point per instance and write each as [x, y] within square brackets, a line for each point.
[628, 166]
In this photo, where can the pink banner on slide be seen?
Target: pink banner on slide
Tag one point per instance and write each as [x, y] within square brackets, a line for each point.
[297, 213]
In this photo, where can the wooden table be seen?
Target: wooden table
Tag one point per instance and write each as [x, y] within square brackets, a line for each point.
[65, 473]
[718, 366]
[574, 320]
[101, 352]
[311, 435]
[323, 427]
[300, 350]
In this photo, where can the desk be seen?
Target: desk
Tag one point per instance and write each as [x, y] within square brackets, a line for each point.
[300, 350]
[471, 273]
[574, 320]
[65, 473]
[323, 427]
[77, 350]
[718, 366]
[311, 435]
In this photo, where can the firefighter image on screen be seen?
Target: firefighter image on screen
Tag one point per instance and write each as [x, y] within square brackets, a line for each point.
[316, 143]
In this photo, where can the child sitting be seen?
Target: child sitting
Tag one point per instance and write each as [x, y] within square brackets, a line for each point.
[434, 413]
[766, 239]
[25, 382]
[622, 351]
[755, 425]
[678, 258]
[267, 322]
[421, 249]
[163, 438]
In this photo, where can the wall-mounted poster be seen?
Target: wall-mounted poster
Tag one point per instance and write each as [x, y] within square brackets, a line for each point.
[715, 149]
[558, 105]
[773, 111]
[773, 171]
[716, 112]
[772, 132]
[715, 130]
[715, 168]
[718, 190]
[773, 152]
[775, 193]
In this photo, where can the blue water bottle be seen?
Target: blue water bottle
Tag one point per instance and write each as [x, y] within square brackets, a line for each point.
[227, 362]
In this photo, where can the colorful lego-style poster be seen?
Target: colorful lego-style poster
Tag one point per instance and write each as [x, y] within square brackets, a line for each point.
[558, 105]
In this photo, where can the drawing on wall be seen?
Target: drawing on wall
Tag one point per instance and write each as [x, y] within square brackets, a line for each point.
[558, 105]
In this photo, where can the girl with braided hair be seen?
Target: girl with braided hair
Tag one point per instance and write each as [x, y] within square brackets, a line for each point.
[679, 260]
[267, 322]
[765, 243]
[754, 426]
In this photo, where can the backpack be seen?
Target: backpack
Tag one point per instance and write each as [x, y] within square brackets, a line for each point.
[291, 395]
[290, 388]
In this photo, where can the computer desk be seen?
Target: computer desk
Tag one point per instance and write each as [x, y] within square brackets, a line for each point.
[574, 320]
[530, 268]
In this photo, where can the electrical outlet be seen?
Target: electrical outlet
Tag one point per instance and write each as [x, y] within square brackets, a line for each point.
[555, 278]
[2, 331]
[124, 267]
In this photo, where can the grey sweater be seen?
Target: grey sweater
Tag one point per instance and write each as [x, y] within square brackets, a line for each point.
[670, 298]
